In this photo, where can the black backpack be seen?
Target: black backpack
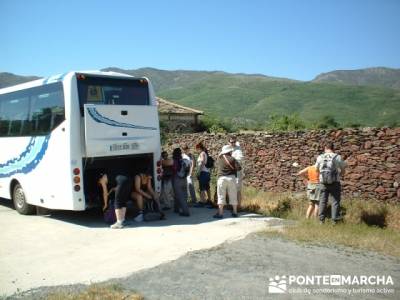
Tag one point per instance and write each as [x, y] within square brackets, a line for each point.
[210, 162]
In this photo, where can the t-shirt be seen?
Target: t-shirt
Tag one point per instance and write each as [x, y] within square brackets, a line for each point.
[224, 168]
[313, 175]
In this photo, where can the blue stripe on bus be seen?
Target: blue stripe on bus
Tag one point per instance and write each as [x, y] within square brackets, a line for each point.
[28, 159]
[101, 119]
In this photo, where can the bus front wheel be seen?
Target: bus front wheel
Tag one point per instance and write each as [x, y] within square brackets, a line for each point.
[20, 203]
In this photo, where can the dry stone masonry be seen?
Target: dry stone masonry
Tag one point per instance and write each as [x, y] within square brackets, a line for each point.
[372, 156]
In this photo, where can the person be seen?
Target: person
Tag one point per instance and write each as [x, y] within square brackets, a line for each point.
[143, 191]
[331, 167]
[167, 191]
[238, 155]
[313, 190]
[226, 183]
[179, 183]
[203, 176]
[189, 156]
[121, 190]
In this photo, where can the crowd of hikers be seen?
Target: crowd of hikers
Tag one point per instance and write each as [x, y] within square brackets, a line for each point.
[182, 172]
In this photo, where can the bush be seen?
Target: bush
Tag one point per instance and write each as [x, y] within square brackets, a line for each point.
[285, 123]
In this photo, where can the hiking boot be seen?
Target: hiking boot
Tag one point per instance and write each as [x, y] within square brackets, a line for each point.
[199, 204]
[117, 225]
[218, 216]
[184, 214]
[234, 215]
[138, 218]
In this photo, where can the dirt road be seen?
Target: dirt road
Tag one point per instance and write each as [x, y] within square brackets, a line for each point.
[77, 247]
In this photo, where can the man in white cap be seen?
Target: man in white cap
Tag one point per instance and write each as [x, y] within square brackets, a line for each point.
[227, 169]
[237, 154]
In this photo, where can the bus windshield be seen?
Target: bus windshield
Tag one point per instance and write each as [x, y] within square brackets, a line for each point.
[103, 90]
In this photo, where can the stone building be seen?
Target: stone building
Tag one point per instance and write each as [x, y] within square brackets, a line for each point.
[177, 118]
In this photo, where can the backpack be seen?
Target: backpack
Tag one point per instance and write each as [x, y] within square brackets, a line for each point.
[210, 162]
[184, 169]
[327, 169]
[109, 213]
[151, 211]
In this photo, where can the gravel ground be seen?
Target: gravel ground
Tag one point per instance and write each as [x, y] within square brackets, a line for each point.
[242, 269]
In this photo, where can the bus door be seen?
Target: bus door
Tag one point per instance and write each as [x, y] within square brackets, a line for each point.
[112, 130]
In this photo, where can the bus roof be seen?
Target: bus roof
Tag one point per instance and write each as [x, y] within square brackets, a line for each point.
[57, 78]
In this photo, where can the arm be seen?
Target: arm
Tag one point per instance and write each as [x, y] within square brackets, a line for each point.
[192, 165]
[138, 188]
[303, 171]
[104, 194]
[342, 165]
[150, 189]
[203, 159]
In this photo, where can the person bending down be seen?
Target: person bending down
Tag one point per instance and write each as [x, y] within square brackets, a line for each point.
[143, 191]
[121, 189]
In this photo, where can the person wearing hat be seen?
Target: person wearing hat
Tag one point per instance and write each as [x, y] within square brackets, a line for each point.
[226, 183]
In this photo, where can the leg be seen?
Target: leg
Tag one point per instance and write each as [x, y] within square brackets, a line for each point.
[323, 202]
[192, 191]
[316, 207]
[121, 197]
[139, 200]
[181, 195]
[310, 210]
[336, 197]
[232, 193]
[120, 214]
[221, 192]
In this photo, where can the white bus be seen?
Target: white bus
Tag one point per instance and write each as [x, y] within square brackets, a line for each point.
[57, 134]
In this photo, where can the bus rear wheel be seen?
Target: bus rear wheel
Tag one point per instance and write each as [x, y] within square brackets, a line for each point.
[20, 203]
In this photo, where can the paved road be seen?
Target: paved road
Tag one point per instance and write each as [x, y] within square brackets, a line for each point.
[182, 258]
[77, 247]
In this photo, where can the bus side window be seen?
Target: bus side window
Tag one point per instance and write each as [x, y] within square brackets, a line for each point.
[17, 115]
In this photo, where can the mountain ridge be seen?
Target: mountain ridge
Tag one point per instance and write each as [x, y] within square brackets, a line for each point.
[255, 98]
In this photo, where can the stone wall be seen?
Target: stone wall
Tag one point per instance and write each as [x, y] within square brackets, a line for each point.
[372, 156]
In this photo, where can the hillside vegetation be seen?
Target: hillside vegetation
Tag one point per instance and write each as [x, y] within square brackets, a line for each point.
[383, 77]
[247, 99]
[255, 101]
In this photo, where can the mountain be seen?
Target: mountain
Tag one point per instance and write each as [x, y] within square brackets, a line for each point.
[8, 79]
[254, 98]
[383, 77]
[241, 97]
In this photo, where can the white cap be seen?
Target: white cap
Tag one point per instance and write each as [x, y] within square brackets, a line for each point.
[226, 149]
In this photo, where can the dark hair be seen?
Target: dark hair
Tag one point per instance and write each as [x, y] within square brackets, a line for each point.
[185, 147]
[329, 145]
[177, 153]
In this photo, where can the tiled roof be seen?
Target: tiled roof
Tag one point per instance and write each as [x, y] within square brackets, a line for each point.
[166, 107]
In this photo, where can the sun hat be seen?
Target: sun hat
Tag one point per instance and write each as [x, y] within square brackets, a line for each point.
[226, 149]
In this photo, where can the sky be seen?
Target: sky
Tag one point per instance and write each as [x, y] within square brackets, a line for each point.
[296, 39]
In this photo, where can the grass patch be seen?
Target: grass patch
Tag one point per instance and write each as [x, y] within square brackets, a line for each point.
[367, 224]
[97, 292]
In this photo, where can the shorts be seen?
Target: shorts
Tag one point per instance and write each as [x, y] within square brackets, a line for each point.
[122, 191]
[313, 191]
[204, 181]
[227, 184]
